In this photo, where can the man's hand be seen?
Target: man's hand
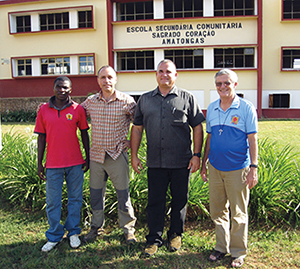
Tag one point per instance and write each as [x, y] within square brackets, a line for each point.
[136, 164]
[252, 178]
[194, 164]
[86, 165]
[126, 145]
[41, 172]
[203, 173]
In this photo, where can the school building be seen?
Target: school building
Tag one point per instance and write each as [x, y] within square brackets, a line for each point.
[259, 39]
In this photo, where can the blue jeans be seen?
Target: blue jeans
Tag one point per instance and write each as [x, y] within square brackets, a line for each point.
[54, 183]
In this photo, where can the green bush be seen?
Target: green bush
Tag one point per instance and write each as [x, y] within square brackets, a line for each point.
[274, 200]
[18, 116]
[276, 196]
[18, 169]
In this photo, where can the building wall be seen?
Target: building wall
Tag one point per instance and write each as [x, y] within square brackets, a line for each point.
[50, 44]
[264, 31]
[277, 34]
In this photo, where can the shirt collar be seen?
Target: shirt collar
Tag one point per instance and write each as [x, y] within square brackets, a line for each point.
[117, 96]
[234, 105]
[174, 90]
[51, 103]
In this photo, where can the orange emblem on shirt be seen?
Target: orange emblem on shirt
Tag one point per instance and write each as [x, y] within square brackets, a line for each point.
[69, 116]
[235, 120]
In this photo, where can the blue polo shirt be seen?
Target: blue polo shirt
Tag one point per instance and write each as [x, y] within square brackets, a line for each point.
[229, 147]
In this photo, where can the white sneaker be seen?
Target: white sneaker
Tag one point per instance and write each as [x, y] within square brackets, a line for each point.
[48, 246]
[74, 241]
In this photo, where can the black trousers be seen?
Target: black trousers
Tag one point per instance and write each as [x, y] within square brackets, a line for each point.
[159, 180]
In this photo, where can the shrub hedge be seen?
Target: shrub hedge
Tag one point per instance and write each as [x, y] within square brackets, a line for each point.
[274, 200]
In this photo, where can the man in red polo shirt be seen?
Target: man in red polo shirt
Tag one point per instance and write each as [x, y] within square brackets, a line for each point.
[56, 125]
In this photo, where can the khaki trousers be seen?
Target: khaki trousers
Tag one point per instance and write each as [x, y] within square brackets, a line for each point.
[229, 198]
[118, 172]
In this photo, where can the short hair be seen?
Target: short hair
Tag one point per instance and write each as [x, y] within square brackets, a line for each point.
[166, 61]
[233, 76]
[62, 78]
[104, 67]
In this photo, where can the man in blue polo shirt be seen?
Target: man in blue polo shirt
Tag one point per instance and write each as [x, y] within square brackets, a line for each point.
[231, 148]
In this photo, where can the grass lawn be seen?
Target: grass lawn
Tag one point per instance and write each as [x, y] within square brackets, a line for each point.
[22, 234]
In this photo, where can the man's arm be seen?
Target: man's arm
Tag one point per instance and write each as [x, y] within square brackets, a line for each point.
[135, 140]
[194, 164]
[203, 171]
[86, 145]
[41, 151]
[253, 149]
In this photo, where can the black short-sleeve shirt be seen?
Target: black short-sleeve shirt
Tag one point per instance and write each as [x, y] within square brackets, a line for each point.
[167, 121]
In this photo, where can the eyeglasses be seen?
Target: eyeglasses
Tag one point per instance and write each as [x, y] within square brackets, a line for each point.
[226, 83]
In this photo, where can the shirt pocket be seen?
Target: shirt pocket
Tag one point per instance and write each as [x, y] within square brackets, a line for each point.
[179, 116]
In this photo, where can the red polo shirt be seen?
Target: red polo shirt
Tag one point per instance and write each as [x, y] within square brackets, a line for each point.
[60, 127]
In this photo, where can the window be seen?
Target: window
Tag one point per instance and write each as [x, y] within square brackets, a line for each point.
[83, 65]
[291, 59]
[54, 21]
[24, 67]
[291, 9]
[51, 19]
[23, 24]
[86, 64]
[186, 58]
[85, 19]
[279, 100]
[55, 66]
[233, 7]
[234, 57]
[135, 11]
[135, 60]
[183, 8]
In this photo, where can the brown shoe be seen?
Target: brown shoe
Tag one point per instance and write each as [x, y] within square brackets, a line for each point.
[130, 238]
[151, 250]
[174, 242]
[92, 234]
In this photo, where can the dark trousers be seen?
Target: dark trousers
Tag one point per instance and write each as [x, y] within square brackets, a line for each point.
[158, 182]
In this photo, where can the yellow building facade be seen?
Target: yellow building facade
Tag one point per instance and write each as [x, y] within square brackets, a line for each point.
[40, 40]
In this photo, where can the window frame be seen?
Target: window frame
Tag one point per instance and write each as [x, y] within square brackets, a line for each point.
[36, 28]
[60, 62]
[23, 24]
[55, 24]
[87, 64]
[36, 65]
[282, 60]
[87, 21]
[283, 12]
[183, 11]
[184, 57]
[279, 96]
[135, 58]
[25, 65]
[144, 14]
[235, 55]
[234, 10]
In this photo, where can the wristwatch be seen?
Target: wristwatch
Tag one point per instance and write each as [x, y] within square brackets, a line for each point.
[253, 165]
[197, 154]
